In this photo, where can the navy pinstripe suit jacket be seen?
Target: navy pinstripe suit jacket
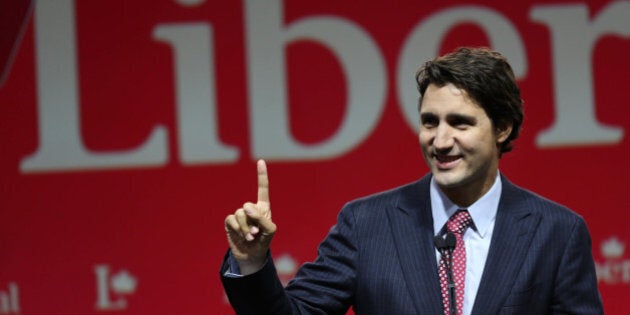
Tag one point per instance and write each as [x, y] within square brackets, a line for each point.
[379, 259]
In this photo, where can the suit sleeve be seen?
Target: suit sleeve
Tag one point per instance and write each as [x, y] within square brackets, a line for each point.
[258, 293]
[575, 290]
[325, 286]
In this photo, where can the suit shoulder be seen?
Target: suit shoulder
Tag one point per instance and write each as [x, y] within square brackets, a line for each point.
[378, 202]
[542, 205]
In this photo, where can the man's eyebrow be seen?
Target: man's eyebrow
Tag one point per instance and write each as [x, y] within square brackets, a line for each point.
[461, 118]
[453, 116]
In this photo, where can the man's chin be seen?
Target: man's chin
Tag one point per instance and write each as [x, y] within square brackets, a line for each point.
[447, 181]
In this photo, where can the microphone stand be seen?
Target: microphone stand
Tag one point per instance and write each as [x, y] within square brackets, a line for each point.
[446, 246]
[450, 245]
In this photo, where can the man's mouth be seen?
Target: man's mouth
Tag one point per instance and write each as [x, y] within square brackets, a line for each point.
[446, 161]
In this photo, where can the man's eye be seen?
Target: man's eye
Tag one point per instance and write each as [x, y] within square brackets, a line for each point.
[429, 123]
[461, 123]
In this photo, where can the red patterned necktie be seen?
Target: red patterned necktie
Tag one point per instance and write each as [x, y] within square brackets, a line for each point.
[457, 224]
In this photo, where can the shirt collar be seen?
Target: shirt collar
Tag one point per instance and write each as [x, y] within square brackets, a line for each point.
[483, 212]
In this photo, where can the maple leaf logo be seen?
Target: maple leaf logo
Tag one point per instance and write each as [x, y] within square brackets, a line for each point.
[612, 248]
[124, 283]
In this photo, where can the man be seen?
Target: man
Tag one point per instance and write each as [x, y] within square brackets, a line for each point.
[506, 250]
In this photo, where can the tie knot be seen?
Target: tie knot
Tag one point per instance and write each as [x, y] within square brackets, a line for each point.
[459, 222]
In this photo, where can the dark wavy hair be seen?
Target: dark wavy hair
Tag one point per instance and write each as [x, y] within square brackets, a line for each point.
[488, 79]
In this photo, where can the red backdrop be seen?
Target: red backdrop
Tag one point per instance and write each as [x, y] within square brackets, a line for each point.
[130, 129]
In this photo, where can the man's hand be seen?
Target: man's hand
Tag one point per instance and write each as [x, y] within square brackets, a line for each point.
[250, 229]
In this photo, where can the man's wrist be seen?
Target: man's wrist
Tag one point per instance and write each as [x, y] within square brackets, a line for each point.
[244, 267]
[250, 266]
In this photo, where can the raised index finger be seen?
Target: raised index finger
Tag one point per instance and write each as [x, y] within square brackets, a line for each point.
[263, 182]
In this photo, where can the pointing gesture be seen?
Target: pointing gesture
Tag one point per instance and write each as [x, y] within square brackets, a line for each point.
[250, 229]
[263, 187]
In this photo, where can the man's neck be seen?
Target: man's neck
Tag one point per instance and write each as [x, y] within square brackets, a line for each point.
[468, 193]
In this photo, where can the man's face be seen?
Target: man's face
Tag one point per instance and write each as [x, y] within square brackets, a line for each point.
[459, 142]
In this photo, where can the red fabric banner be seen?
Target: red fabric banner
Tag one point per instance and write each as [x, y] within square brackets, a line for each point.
[130, 129]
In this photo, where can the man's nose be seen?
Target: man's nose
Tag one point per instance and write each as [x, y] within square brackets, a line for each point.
[443, 138]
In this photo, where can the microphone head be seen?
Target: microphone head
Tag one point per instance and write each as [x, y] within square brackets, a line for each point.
[450, 240]
[439, 242]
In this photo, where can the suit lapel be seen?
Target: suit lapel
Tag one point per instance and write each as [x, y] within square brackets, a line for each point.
[411, 223]
[513, 231]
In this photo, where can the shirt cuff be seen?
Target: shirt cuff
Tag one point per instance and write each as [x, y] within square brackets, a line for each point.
[233, 270]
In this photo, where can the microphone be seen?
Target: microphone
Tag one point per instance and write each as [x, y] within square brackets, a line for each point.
[440, 243]
[445, 243]
[446, 246]
[450, 240]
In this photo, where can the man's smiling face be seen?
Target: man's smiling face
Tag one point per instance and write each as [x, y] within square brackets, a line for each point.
[458, 140]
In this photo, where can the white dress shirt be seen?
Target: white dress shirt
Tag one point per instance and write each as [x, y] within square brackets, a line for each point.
[477, 238]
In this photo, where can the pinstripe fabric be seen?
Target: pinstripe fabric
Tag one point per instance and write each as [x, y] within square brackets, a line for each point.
[379, 259]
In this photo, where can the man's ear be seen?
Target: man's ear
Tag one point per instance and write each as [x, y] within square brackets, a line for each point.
[503, 132]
